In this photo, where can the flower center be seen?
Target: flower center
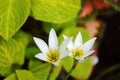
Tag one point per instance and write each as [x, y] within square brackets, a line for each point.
[52, 56]
[78, 52]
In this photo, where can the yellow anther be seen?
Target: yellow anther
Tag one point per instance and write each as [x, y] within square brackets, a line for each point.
[78, 52]
[53, 56]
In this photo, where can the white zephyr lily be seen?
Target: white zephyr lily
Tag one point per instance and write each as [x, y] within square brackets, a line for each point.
[53, 53]
[78, 50]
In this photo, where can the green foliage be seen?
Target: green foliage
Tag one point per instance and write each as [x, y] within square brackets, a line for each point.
[12, 52]
[13, 14]
[68, 63]
[24, 75]
[55, 73]
[11, 77]
[21, 75]
[31, 51]
[33, 63]
[73, 31]
[40, 70]
[58, 27]
[52, 10]
[83, 69]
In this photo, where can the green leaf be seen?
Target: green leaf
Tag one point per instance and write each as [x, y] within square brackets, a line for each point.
[31, 51]
[13, 14]
[21, 75]
[55, 73]
[33, 63]
[12, 53]
[41, 72]
[58, 27]
[73, 31]
[25, 75]
[11, 77]
[55, 11]
[83, 69]
[68, 63]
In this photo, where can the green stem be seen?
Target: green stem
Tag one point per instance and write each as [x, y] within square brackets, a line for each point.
[51, 71]
[73, 67]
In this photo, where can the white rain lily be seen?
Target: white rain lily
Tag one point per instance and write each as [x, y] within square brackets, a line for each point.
[78, 50]
[51, 53]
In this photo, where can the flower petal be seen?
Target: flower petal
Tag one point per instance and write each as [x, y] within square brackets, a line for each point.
[95, 60]
[81, 59]
[65, 37]
[64, 54]
[88, 45]
[88, 53]
[53, 40]
[56, 63]
[41, 45]
[70, 54]
[78, 41]
[63, 46]
[41, 56]
[70, 44]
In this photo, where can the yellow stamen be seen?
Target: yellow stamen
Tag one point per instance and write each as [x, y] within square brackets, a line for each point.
[78, 52]
[53, 56]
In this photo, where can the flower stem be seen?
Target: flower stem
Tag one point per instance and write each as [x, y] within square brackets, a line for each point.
[73, 67]
[51, 71]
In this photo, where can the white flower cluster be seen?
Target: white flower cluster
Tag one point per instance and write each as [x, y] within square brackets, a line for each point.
[53, 53]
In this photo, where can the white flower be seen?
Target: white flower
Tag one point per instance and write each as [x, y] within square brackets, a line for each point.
[78, 50]
[51, 53]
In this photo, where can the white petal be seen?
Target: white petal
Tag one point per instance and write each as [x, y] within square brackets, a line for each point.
[88, 53]
[88, 45]
[78, 40]
[41, 45]
[53, 41]
[95, 60]
[65, 37]
[81, 59]
[63, 48]
[70, 54]
[64, 54]
[56, 63]
[70, 44]
[41, 56]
